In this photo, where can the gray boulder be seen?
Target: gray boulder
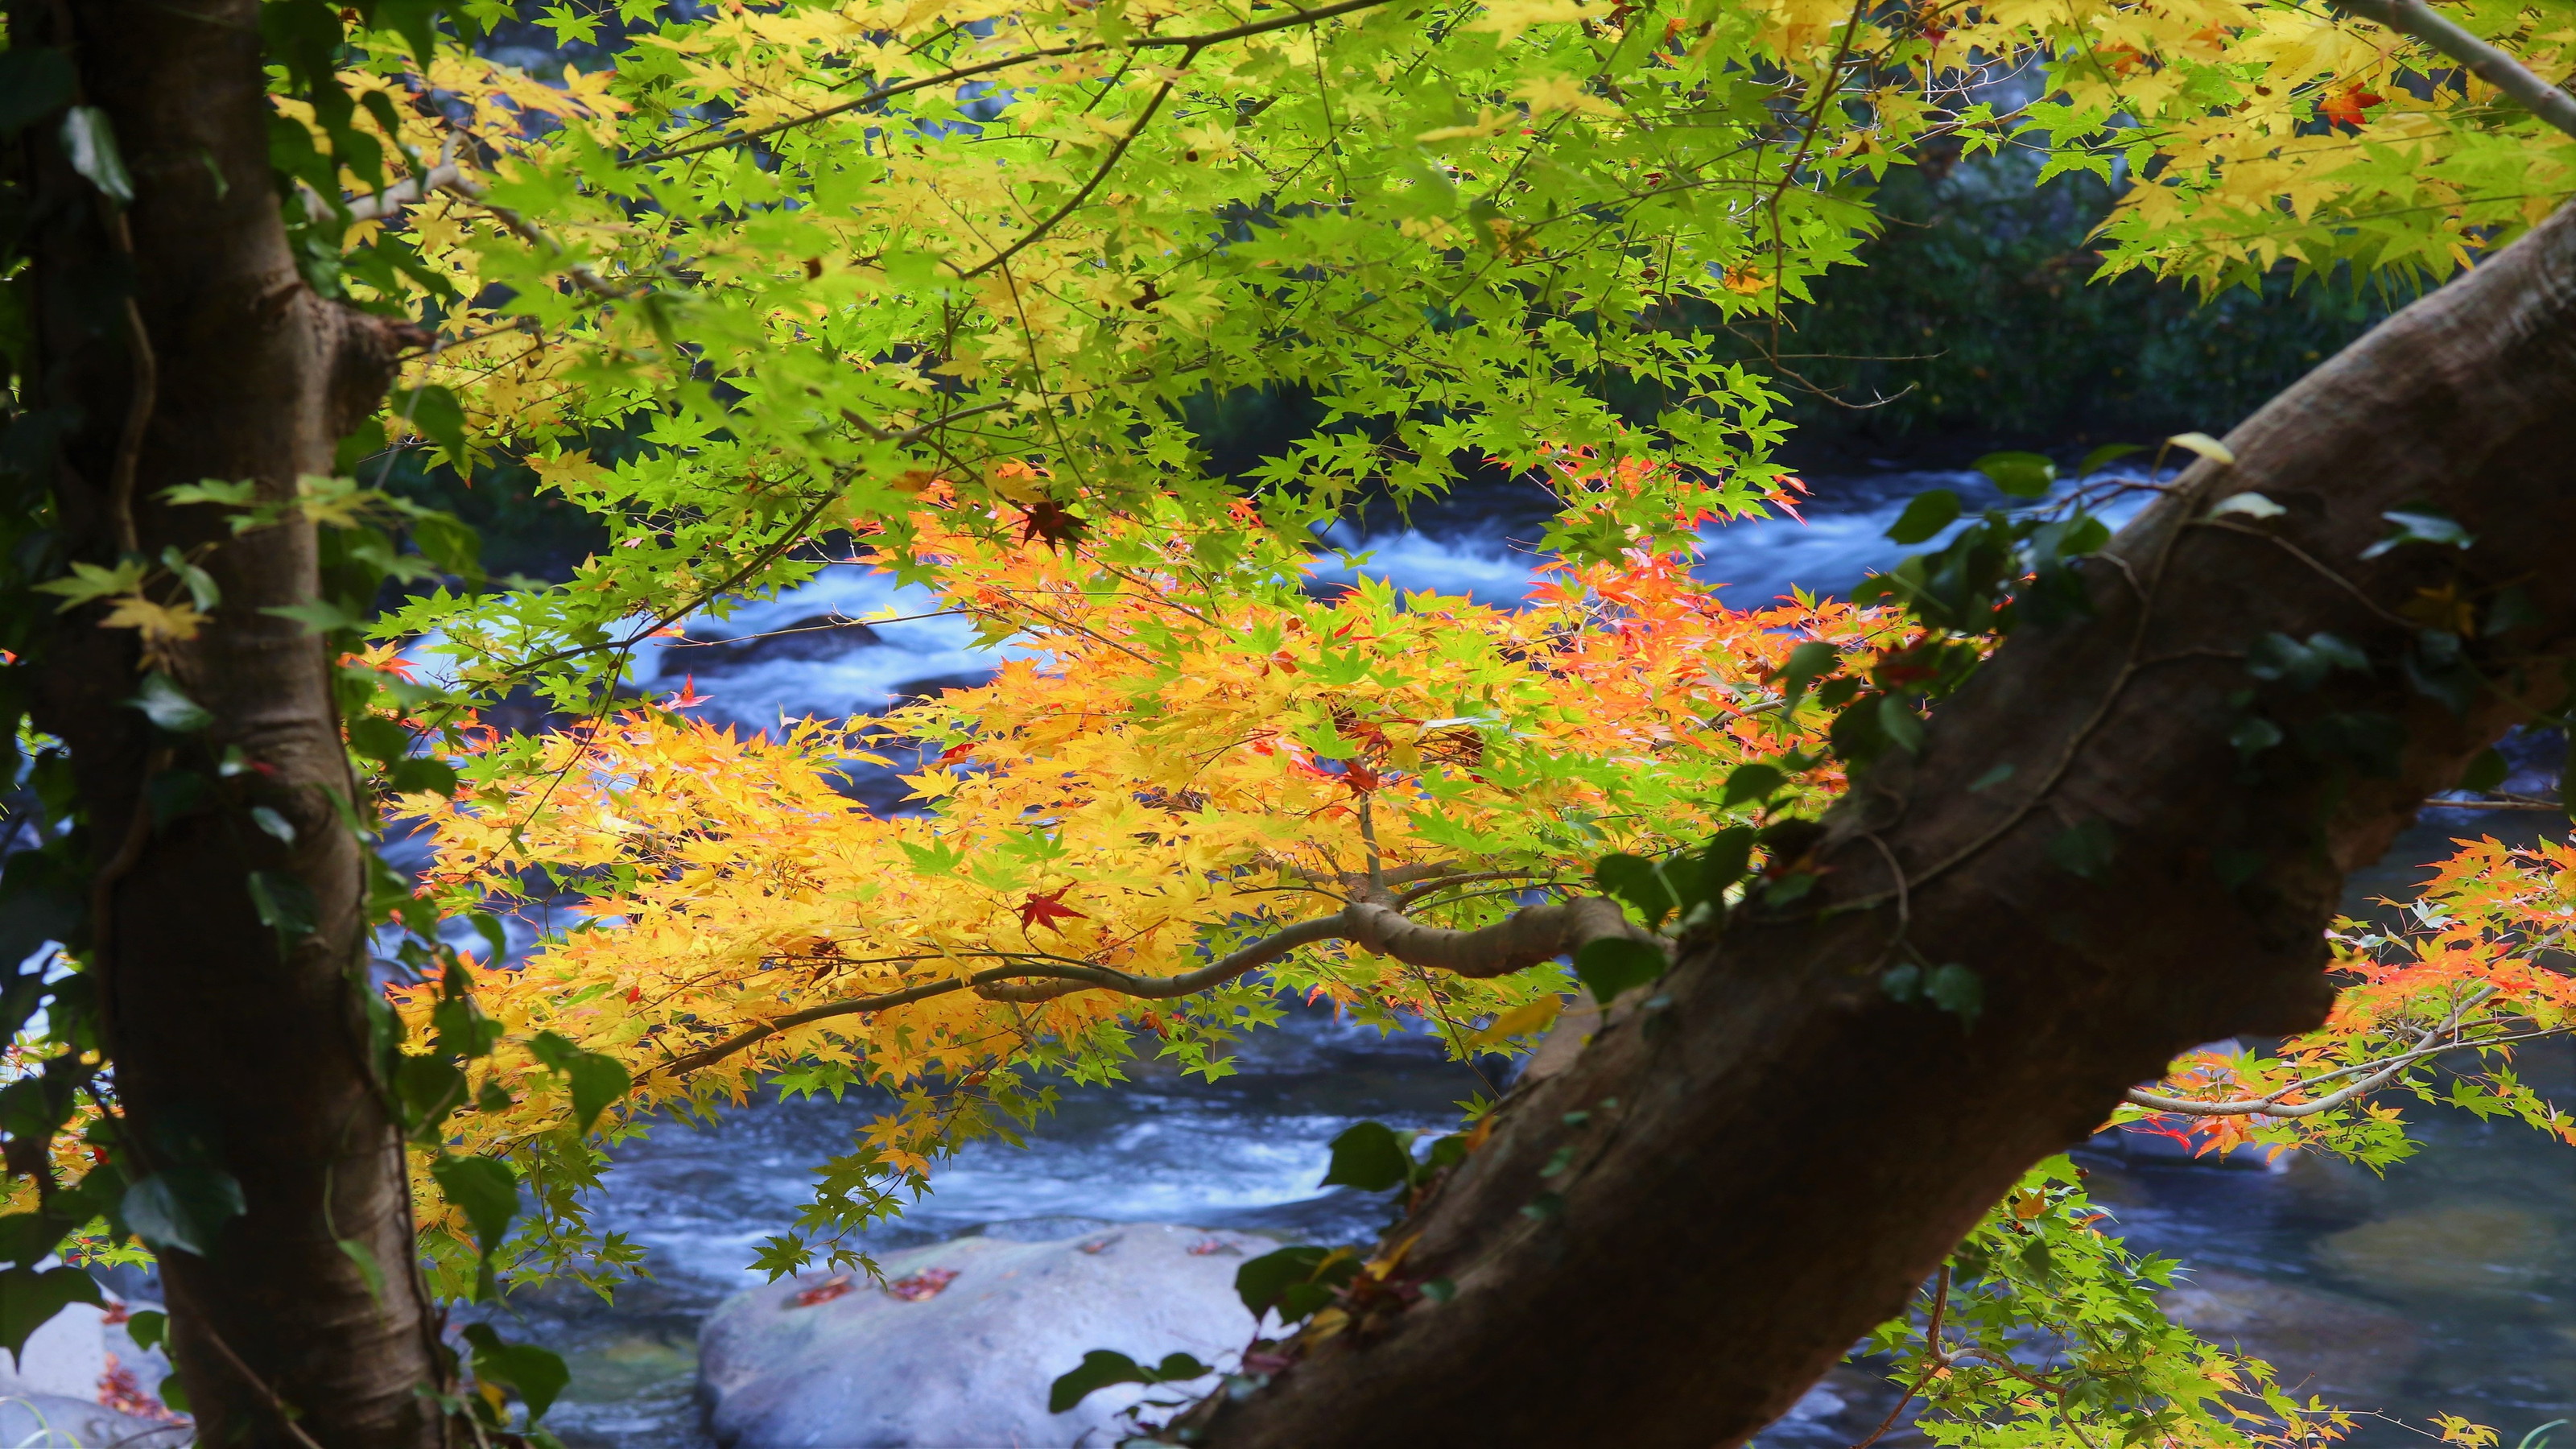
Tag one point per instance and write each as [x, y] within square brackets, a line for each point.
[833, 1363]
[2316, 1342]
[58, 1421]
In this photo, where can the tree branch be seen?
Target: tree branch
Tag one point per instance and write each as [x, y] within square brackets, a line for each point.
[2385, 1073]
[2495, 67]
[447, 176]
[1529, 936]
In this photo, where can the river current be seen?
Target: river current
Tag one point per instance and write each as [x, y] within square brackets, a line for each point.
[2448, 1286]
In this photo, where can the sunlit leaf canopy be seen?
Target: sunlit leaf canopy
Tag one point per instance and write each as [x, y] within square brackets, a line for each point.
[789, 262]
[953, 278]
[1196, 761]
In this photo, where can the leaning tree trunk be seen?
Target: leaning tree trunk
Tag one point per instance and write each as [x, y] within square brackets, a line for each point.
[236, 1046]
[1773, 1162]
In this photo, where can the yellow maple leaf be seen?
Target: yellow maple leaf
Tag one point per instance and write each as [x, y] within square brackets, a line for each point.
[1508, 18]
[159, 623]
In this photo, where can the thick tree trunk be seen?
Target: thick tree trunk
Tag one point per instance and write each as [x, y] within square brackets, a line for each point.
[1776, 1159]
[235, 1045]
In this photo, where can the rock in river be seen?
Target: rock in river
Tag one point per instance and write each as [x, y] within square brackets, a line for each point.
[962, 1343]
[2318, 1342]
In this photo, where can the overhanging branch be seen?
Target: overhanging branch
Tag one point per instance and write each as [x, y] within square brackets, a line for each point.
[2492, 65]
[1529, 936]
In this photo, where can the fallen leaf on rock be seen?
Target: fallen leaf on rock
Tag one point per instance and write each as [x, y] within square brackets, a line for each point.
[823, 1292]
[921, 1286]
[1212, 1244]
[1097, 1246]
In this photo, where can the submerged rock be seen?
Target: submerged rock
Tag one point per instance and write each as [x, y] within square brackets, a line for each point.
[58, 1421]
[2499, 1255]
[962, 1343]
[2316, 1343]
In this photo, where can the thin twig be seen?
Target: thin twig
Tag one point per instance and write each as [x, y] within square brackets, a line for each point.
[1073, 203]
[1190, 43]
[276, 1405]
[1933, 1360]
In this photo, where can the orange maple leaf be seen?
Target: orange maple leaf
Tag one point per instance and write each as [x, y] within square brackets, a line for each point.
[2346, 106]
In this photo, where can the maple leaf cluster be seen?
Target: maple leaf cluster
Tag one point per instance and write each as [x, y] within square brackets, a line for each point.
[1177, 761]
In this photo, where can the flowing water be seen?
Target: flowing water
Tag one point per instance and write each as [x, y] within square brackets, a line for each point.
[2447, 1286]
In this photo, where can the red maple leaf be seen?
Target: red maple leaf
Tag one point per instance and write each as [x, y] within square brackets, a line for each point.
[956, 752]
[688, 697]
[922, 1286]
[1046, 910]
[1049, 520]
[825, 1291]
[1359, 777]
[2345, 106]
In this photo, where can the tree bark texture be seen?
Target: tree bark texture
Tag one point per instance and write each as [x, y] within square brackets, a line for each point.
[233, 1044]
[1776, 1155]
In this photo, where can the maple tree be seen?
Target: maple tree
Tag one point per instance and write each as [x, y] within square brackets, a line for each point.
[953, 278]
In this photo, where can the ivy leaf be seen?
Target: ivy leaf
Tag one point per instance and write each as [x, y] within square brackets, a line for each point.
[30, 1299]
[485, 1190]
[379, 739]
[439, 417]
[451, 545]
[148, 1328]
[1927, 515]
[2252, 505]
[285, 904]
[2205, 445]
[2486, 771]
[2420, 525]
[596, 1080]
[1521, 1020]
[182, 1207]
[1295, 1280]
[90, 141]
[35, 81]
[538, 1374]
[1371, 1157]
[1756, 781]
[272, 824]
[1956, 990]
[2019, 475]
[318, 616]
[1098, 1370]
[168, 707]
[1614, 964]
[2083, 850]
[2103, 456]
[1102, 1367]
[1639, 883]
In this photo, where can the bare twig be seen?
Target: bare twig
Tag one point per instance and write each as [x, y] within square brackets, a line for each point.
[1933, 1360]
[276, 1405]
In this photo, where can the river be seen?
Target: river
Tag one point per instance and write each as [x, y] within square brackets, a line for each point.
[2448, 1286]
